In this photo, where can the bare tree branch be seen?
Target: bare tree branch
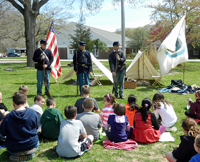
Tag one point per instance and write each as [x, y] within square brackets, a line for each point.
[17, 5]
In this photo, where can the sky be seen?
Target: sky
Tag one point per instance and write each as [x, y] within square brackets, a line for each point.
[109, 18]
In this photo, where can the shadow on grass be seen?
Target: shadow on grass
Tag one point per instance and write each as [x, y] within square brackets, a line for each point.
[50, 154]
[69, 82]
[99, 99]
[26, 83]
[64, 96]
[45, 140]
[145, 89]
[31, 96]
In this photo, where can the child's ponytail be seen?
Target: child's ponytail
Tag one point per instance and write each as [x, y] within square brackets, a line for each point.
[191, 127]
[134, 107]
[110, 98]
[146, 105]
[144, 113]
[194, 131]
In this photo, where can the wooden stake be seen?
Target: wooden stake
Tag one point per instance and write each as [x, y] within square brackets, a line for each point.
[183, 71]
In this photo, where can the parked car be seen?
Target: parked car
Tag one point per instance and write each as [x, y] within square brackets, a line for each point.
[13, 55]
[2, 55]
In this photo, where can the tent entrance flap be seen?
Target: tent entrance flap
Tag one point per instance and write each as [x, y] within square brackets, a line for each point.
[100, 66]
[142, 69]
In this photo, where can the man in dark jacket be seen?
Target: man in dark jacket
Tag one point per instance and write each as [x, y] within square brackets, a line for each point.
[118, 68]
[40, 55]
[82, 64]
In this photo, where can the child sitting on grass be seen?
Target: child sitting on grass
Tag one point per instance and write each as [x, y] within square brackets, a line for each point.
[108, 100]
[20, 127]
[164, 110]
[196, 158]
[194, 111]
[50, 120]
[85, 90]
[186, 150]
[131, 108]
[146, 128]
[119, 125]
[24, 89]
[69, 144]
[39, 101]
[3, 108]
[91, 121]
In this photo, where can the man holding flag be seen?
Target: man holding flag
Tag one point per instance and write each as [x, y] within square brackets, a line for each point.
[49, 53]
[43, 58]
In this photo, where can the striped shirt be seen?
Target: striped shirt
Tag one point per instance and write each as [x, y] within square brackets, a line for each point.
[105, 112]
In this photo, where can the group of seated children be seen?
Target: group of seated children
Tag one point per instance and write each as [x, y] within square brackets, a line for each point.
[77, 133]
[22, 126]
[188, 147]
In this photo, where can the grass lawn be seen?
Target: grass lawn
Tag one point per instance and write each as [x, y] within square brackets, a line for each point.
[65, 94]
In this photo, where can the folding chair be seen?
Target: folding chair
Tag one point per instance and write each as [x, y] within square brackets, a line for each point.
[96, 79]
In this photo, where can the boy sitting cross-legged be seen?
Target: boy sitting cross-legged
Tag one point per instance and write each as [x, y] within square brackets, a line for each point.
[85, 90]
[39, 101]
[90, 120]
[20, 127]
[50, 120]
[69, 144]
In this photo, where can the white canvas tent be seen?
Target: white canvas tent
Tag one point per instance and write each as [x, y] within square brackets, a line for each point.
[107, 73]
[141, 68]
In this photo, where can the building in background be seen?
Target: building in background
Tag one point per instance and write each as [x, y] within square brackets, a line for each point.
[66, 52]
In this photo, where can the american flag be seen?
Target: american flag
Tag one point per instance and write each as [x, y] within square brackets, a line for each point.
[52, 45]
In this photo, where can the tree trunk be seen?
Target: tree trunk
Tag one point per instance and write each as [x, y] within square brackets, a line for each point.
[30, 23]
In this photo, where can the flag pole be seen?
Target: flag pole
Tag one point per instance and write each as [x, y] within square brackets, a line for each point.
[50, 25]
[183, 71]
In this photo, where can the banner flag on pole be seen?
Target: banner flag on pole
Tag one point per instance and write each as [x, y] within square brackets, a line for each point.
[52, 45]
[173, 49]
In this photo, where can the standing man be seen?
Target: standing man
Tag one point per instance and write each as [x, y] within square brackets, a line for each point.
[43, 58]
[118, 68]
[82, 64]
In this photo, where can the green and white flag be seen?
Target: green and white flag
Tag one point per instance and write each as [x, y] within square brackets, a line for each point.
[173, 49]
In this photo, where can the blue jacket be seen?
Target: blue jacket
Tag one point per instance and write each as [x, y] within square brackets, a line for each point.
[83, 61]
[121, 66]
[20, 128]
[37, 58]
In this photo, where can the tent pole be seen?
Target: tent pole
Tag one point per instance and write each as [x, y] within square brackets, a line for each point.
[143, 68]
[183, 71]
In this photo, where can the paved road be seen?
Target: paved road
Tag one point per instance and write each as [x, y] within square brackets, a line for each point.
[12, 61]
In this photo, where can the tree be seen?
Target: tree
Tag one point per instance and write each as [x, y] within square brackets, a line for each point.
[139, 37]
[81, 34]
[12, 32]
[84, 34]
[30, 11]
[99, 45]
[128, 32]
[167, 14]
[44, 19]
